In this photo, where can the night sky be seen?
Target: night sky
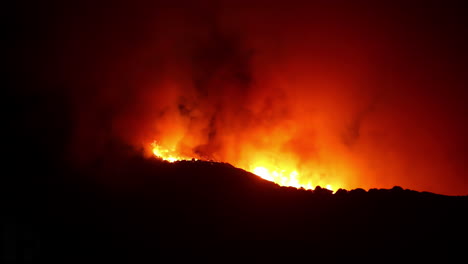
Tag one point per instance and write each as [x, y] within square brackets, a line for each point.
[359, 94]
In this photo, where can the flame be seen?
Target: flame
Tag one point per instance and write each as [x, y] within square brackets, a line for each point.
[281, 177]
[166, 154]
[271, 173]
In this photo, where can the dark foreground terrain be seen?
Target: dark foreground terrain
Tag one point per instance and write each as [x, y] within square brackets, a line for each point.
[128, 208]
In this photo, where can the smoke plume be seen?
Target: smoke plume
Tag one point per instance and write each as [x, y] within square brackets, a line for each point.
[355, 95]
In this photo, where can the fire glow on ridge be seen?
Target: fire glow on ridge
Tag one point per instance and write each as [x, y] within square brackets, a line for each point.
[281, 177]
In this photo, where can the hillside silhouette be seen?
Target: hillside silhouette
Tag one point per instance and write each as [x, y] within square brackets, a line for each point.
[129, 208]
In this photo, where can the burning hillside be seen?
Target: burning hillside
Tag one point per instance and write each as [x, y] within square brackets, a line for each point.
[300, 93]
[267, 171]
[138, 126]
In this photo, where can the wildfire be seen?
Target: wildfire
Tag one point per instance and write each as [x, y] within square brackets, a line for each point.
[169, 155]
[284, 178]
[281, 177]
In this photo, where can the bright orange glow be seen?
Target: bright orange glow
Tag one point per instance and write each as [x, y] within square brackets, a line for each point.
[282, 177]
[169, 155]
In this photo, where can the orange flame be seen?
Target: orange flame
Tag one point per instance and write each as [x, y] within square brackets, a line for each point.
[271, 173]
[169, 155]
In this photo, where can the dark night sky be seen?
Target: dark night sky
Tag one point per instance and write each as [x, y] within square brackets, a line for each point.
[374, 91]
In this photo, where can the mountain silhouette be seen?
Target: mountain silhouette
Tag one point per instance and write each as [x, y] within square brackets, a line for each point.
[129, 208]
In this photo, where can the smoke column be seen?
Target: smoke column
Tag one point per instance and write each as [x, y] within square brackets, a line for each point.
[356, 95]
